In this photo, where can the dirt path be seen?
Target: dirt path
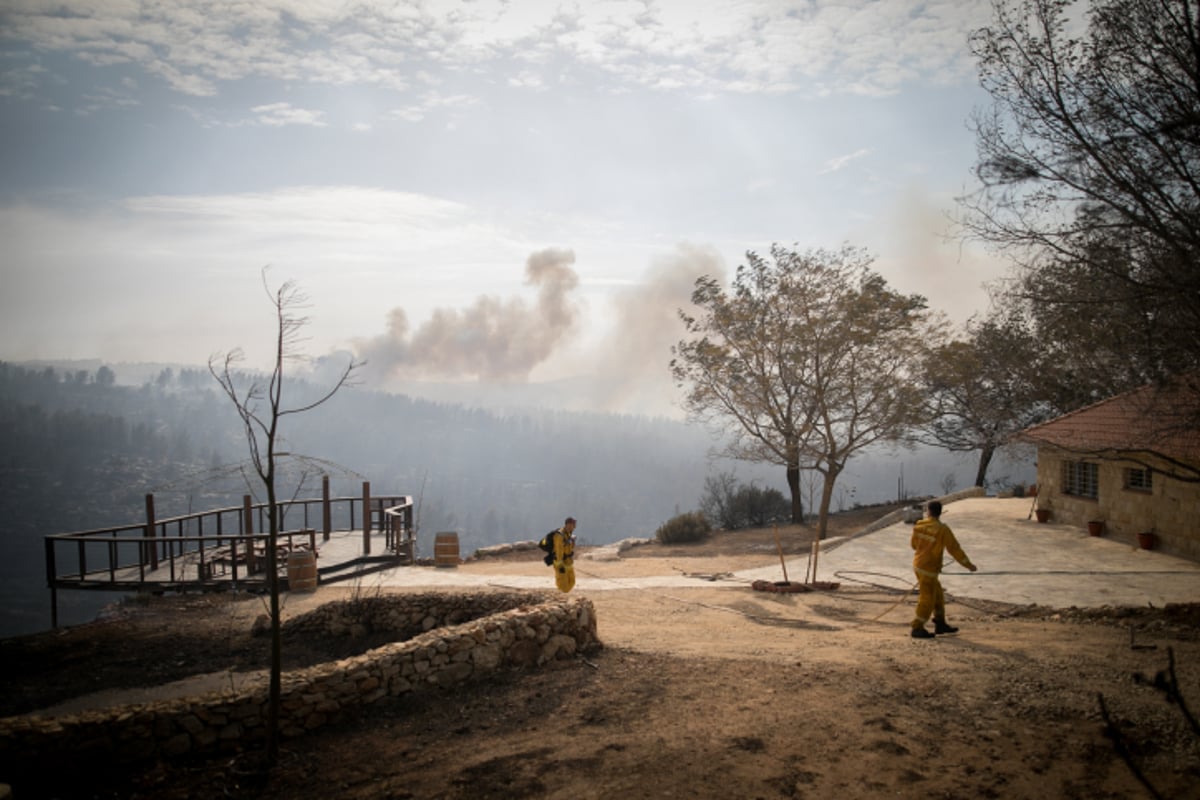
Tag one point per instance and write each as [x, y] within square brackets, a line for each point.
[720, 692]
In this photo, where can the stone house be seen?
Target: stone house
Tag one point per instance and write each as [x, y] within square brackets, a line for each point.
[1131, 462]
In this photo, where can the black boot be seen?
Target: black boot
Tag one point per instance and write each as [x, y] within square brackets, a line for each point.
[941, 626]
[921, 633]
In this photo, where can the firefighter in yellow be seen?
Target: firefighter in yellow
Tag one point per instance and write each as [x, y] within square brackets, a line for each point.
[564, 556]
[930, 539]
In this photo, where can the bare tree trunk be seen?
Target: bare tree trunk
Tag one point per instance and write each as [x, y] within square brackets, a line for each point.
[262, 430]
[831, 477]
[985, 458]
[793, 482]
[275, 690]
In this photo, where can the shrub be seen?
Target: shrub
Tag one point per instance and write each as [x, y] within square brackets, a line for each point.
[731, 505]
[690, 527]
[717, 500]
[757, 507]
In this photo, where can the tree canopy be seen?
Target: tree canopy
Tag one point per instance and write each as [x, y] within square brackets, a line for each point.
[1089, 165]
[808, 358]
[983, 388]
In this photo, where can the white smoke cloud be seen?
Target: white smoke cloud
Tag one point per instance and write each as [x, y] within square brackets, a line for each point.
[632, 365]
[494, 340]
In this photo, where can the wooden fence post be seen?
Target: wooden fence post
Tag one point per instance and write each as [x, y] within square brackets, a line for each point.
[150, 533]
[410, 532]
[327, 512]
[366, 513]
[247, 530]
[51, 579]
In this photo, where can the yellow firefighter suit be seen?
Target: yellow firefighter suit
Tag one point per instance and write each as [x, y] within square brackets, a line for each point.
[564, 557]
[930, 539]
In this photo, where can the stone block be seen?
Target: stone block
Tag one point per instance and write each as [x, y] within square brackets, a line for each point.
[453, 674]
[177, 745]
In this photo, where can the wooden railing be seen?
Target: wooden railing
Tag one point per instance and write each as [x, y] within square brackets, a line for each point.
[216, 548]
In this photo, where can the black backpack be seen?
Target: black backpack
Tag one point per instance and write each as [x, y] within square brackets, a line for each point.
[547, 544]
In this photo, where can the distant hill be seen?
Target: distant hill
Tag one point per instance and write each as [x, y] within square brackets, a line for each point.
[80, 448]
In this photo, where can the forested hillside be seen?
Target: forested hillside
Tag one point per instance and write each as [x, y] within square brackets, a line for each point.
[79, 450]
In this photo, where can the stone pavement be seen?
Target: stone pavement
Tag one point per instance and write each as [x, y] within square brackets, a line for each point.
[1020, 561]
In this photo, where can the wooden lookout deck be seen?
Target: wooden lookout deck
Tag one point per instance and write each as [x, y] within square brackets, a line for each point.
[226, 548]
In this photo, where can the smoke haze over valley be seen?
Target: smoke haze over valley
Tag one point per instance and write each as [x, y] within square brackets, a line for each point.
[499, 208]
[80, 455]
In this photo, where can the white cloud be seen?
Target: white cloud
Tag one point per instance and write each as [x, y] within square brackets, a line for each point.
[279, 114]
[109, 97]
[527, 79]
[860, 46]
[22, 81]
[189, 264]
[430, 102]
[835, 164]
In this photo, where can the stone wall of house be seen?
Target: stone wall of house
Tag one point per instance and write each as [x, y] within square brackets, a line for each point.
[455, 638]
[1171, 510]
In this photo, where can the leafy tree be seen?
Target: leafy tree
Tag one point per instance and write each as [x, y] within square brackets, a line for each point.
[806, 361]
[1089, 163]
[261, 409]
[983, 389]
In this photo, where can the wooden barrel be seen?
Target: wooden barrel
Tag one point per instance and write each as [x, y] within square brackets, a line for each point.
[445, 550]
[302, 571]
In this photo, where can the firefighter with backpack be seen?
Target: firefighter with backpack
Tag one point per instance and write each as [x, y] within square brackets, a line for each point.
[559, 545]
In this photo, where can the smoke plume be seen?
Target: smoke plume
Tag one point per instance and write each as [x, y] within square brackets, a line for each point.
[632, 367]
[495, 340]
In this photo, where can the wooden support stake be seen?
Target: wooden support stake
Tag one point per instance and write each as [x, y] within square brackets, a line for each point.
[779, 547]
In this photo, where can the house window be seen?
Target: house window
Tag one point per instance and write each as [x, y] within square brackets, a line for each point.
[1081, 479]
[1138, 479]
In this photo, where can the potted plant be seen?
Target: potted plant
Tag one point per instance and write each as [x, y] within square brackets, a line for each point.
[1145, 540]
[1095, 527]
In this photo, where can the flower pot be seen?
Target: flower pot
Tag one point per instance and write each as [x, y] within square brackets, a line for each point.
[1145, 541]
[1095, 527]
[1043, 515]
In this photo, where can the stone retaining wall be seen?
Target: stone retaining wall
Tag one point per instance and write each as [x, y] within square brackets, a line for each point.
[455, 638]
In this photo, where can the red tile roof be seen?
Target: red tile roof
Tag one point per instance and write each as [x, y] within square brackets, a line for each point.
[1150, 419]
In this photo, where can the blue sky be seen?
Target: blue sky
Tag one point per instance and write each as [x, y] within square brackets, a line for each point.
[489, 192]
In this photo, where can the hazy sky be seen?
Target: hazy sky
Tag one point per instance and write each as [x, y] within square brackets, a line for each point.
[489, 191]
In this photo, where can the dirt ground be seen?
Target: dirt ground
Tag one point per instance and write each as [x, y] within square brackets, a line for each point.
[711, 692]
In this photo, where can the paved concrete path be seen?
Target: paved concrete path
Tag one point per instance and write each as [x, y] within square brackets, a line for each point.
[1020, 561]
